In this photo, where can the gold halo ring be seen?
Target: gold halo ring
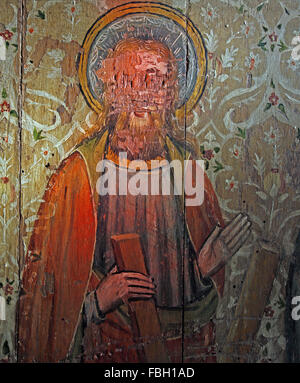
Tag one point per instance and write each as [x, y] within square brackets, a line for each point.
[175, 29]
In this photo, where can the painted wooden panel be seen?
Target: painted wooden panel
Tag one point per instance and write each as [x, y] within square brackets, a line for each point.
[10, 175]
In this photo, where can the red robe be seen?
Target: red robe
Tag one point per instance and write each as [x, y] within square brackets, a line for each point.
[58, 265]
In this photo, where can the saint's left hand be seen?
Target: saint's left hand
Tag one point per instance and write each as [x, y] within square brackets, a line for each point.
[222, 244]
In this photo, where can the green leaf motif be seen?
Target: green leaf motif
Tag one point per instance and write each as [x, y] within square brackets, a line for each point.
[241, 133]
[13, 113]
[5, 348]
[282, 46]
[265, 29]
[268, 326]
[206, 165]
[4, 93]
[272, 84]
[216, 149]
[260, 7]
[37, 135]
[16, 47]
[41, 15]
[279, 26]
[262, 44]
[241, 9]
[280, 303]
[282, 109]
[7, 44]
[218, 166]
[272, 47]
[268, 106]
[14, 29]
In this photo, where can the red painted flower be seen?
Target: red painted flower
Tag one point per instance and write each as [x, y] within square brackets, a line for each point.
[273, 37]
[273, 99]
[5, 180]
[5, 107]
[208, 154]
[30, 30]
[252, 63]
[8, 289]
[7, 35]
[236, 152]
[275, 170]
[231, 184]
[73, 9]
[210, 55]
[269, 312]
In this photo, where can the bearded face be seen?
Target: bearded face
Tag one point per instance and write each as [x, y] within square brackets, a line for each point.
[140, 79]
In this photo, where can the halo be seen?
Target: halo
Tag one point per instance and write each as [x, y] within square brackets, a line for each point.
[148, 21]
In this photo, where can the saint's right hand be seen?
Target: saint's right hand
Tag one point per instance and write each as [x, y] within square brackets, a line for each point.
[117, 288]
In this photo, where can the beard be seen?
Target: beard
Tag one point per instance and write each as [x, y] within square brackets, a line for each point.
[141, 136]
